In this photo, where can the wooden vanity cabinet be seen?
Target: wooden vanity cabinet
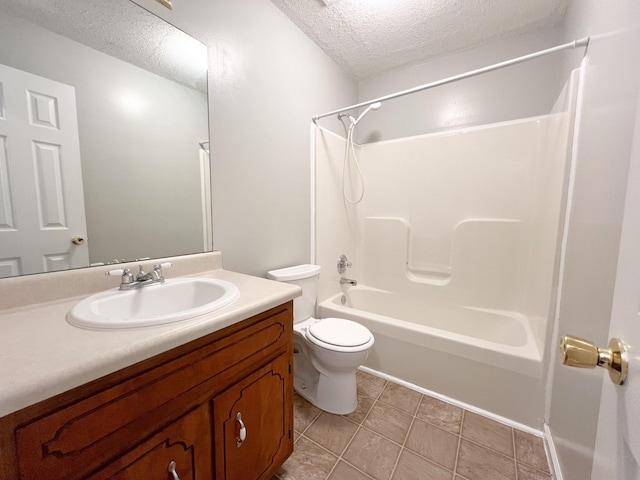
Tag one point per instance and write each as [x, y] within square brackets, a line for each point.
[187, 406]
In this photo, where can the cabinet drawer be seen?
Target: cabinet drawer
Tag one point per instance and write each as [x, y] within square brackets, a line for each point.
[77, 439]
[185, 442]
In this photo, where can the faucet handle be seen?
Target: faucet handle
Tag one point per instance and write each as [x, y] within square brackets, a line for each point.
[118, 271]
[343, 264]
[127, 277]
[157, 270]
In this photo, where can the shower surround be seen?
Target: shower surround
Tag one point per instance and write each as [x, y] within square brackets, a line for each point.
[455, 247]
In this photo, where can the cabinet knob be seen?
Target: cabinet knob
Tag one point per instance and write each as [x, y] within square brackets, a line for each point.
[242, 433]
[172, 470]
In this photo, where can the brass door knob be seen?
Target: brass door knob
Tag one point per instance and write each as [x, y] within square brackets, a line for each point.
[577, 352]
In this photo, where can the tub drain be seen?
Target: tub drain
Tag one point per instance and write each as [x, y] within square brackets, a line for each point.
[343, 299]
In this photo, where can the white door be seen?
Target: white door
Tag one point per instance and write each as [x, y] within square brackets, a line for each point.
[41, 195]
[617, 452]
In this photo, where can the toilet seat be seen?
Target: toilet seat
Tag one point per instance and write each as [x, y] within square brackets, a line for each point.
[340, 335]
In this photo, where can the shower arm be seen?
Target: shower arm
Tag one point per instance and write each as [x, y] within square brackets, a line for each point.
[583, 42]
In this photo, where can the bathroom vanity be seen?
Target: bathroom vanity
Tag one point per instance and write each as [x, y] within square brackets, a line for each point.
[216, 406]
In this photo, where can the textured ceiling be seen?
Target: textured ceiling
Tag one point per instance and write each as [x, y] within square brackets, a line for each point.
[122, 29]
[369, 37]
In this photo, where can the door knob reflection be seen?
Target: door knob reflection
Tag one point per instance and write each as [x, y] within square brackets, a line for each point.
[77, 240]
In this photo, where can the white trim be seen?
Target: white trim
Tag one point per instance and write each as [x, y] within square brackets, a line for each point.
[552, 454]
[312, 191]
[553, 354]
[205, 199]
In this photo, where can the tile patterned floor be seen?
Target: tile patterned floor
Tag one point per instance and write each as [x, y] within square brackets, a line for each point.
[399, 434]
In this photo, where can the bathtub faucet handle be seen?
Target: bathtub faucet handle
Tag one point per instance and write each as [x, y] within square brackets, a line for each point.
[343, 264]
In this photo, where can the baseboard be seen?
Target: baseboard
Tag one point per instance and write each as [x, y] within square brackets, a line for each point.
[466, 406]
[552, 454]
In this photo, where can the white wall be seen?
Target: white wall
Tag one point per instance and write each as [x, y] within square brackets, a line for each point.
[520, 91]
[267, 79]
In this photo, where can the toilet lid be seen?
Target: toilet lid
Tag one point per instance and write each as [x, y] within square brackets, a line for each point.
[340, 332]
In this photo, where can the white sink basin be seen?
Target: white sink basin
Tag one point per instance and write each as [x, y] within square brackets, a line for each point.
[172, 301]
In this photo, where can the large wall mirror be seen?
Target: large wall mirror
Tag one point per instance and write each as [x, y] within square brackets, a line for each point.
[103, 136]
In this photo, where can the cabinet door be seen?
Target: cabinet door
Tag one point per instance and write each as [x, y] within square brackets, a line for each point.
[187, 442]
[262, 405]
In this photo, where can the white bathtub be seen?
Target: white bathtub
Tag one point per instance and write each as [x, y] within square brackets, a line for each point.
[486, 358]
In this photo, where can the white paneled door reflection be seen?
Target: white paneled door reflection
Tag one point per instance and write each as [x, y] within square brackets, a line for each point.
[41, 195]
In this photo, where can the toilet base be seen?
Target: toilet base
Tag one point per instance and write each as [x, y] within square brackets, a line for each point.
[334, 394]
[337, 394]
[323, 395]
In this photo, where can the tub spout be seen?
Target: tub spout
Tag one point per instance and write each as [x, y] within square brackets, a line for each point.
[348, 281]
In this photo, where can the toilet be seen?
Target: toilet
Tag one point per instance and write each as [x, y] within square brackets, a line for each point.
[327, 351]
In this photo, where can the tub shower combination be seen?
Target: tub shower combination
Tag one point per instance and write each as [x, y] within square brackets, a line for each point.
[455, 248]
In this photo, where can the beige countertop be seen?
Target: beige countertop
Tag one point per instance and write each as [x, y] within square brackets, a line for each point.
[41, 355]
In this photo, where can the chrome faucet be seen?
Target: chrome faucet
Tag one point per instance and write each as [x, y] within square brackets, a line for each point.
[142, 279]
[145, 277]
[348, 281]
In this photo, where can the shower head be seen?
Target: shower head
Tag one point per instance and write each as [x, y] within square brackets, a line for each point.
[373, 106]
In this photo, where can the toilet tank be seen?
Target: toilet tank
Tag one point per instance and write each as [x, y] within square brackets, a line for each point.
[305, 276]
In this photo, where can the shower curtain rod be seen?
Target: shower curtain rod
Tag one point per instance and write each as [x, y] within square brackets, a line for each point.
[583, 42]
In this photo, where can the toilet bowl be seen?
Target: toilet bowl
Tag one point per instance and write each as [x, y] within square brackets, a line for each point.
[328, 351]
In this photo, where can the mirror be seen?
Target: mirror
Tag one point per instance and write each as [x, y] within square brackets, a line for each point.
[103, 136]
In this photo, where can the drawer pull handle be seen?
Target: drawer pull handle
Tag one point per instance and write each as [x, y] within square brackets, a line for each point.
[242, 434]
[172, 470]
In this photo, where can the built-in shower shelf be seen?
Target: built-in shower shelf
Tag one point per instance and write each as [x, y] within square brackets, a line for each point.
[429, 273]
